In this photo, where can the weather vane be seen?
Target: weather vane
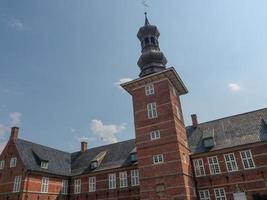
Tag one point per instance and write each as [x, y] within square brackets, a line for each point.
[145, 3]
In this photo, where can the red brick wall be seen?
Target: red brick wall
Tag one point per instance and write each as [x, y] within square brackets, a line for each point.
[251, 180]
[175, 173]
[102, 187]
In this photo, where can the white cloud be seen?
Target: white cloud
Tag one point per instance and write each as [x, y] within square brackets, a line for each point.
[16, 24]
[107, 133]
[234, 87]
[15, 118]
[122, 80]
[86, 139]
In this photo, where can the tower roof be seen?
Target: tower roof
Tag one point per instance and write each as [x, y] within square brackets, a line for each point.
[152, 59]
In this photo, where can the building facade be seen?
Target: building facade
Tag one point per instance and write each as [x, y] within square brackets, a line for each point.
[217, 160]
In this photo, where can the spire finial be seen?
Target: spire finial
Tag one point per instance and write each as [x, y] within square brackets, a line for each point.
[146, 20]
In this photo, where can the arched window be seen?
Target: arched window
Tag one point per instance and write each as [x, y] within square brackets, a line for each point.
[152, 39]
[146, 40]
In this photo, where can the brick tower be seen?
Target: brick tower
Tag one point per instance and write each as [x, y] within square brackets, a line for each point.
[161, 141]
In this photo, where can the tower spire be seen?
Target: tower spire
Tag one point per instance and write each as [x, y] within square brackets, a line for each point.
[152, 60]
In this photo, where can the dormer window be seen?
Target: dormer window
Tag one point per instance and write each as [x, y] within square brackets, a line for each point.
[44, 164]
[208, 142]
[94, 165]
[133, 157]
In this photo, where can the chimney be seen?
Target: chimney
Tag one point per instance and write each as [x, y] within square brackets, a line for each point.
[14, 133]
[194, 120]
[83, 146]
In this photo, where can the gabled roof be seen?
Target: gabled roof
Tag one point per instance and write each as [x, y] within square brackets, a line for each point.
[59, 162]
[231, 131]
[117, 155]
[66, 164]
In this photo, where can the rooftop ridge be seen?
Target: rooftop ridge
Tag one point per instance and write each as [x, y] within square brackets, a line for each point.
[231, 116]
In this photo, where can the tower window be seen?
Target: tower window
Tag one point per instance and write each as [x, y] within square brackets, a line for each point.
[155, 135]
[158, 159]
[149, 89]
[146, 40]
[152, 110]
[152, 39]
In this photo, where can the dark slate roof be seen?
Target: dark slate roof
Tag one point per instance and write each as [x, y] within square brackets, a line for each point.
[231, 131]
[32, 154]
[66, 164]
[117, 155]
[227, 132]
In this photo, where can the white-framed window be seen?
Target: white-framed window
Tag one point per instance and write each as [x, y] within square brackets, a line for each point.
[77, 186]
[123, 179]
[220, 194]
[157, 159]
[230, 162]
[13, 162]
[155, 135]
[112, 181]
[17, 182]
[92, 184]
[152, 110]
[135, 177]
[178, 112]
[65, 186]
[214, 165]
[2, 164]
[45, 184]
[247, 159]
[199, 167]
[149, 89]
[204, 194]
[44, 165]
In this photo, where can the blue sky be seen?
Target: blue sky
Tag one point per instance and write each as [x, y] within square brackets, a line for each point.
[60, 62]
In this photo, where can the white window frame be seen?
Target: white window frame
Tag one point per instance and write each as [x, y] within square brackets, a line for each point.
[214, 165]
[149, 89]
[2, 164]
[134, 177]
[123, 179]
[152, 110]
[17, 183]
[230, 162]
[112, 181]
[92, 184]
[204, 194]
[77, 186]
[199, 167]
[155, 135]
[220, 194]
[13, 162]
[65, 187]
[158, 159]
[44, 165]
[45, 185]
[247, 159]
